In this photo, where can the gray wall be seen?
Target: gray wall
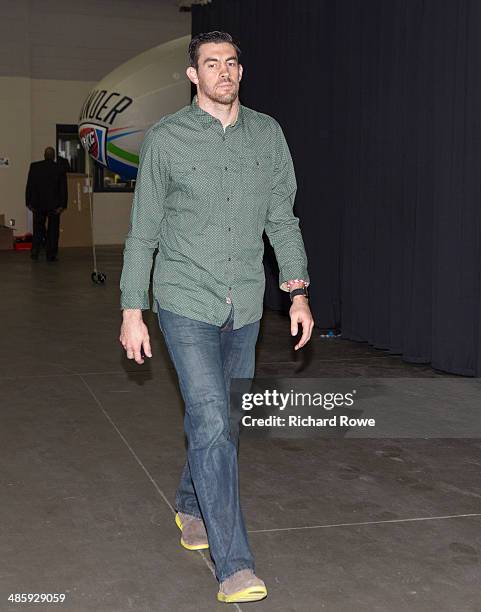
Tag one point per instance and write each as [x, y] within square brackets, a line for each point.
[82, 40]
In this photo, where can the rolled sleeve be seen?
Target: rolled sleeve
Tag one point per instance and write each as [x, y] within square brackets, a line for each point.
[145, 221]
[282, 226]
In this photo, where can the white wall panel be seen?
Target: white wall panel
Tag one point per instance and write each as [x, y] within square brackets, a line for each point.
[71, 40]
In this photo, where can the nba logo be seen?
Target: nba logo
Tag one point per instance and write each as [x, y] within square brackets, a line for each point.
[94, 138]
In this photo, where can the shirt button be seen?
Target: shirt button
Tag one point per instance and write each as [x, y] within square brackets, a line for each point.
[228, 199]
[223, 137]
[230, 288]
[229, 259]
[225, 168]
[229, 229]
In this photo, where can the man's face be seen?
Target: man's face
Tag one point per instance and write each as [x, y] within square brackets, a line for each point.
[219, 73]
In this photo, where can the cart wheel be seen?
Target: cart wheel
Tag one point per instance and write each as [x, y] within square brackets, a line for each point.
[98, 278]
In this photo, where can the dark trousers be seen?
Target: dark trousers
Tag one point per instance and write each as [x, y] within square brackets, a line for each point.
[46, 226]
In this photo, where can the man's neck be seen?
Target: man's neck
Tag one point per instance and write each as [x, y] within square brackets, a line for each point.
[225, 113]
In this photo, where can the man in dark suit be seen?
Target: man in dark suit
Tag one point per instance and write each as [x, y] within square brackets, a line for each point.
[63, 163]
[46, 196]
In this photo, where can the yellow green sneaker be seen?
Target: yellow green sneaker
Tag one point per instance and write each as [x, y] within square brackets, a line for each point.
[194, 535]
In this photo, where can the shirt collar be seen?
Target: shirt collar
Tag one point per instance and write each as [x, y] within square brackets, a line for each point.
[206, 119]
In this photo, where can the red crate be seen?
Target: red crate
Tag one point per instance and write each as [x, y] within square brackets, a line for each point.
[23, 246]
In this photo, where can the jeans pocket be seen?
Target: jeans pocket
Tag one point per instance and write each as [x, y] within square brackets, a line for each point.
[159, 309]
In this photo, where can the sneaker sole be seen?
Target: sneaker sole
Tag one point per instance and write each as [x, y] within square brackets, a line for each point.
[250, 594]
[183, 543]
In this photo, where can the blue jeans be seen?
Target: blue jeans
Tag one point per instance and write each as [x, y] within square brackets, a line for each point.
[206, 357]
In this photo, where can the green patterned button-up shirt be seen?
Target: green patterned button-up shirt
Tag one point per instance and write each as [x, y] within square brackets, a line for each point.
[204, 196]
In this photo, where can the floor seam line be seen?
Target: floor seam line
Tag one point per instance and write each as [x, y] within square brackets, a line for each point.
[145, 470]
[110, 372]
[361, 523]
[125, 441]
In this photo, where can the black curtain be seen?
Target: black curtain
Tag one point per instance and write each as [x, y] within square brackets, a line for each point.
[380, 102]
[405, 142]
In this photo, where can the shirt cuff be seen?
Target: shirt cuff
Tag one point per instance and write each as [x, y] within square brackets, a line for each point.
[284, 286]
[135, 299]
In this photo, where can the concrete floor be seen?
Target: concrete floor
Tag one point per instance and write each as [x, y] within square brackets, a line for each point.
[92, 448]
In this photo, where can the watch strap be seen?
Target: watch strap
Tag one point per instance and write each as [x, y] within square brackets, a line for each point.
[299, 291]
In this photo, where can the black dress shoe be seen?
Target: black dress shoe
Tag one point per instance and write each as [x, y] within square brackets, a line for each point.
[52, 259]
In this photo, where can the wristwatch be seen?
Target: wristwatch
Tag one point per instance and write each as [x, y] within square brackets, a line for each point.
[299, 291]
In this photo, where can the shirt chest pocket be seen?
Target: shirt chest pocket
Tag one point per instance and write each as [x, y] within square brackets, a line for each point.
[192, 183]
[194, 178]
[256, 172]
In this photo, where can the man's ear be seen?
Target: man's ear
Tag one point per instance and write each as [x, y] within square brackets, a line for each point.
[241, 70]
[191, 73]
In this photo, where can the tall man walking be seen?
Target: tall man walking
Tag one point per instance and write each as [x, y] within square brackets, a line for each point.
[46, 195]
[212, 177]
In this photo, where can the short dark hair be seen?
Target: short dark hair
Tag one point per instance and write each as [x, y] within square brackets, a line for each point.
[209, 37]
[49, 153]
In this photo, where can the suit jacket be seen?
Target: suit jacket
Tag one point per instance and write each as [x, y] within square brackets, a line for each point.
[46, 186]
[63, 163]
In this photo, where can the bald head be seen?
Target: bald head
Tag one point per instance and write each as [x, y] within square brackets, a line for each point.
[49, 153]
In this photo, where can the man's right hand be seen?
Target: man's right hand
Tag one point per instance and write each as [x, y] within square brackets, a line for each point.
[134, 335]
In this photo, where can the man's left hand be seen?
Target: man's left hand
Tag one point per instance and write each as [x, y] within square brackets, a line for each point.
[301, 313]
